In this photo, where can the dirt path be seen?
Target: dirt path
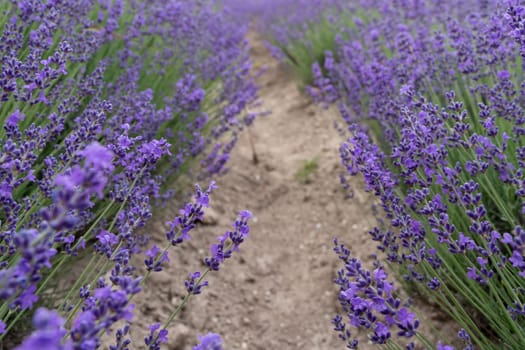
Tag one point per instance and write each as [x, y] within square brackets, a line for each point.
[278, 292]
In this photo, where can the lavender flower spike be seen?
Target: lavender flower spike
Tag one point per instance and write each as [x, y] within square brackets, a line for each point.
[48, 334]
[222, 251]
[210, 341]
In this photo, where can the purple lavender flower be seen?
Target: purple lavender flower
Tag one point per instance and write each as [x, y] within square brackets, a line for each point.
[441, 346]
[122, 342]
[194, 283]
[106, 243]
[155, 259]
[191, 213]
[369, 302]
[48, 334]
[98, 156]
[156, 337]
[222, 250]
[210, 341]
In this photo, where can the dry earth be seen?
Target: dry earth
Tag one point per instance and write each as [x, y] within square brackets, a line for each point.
[277, 293]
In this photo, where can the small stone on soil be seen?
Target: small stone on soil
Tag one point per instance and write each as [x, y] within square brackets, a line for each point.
[179, 336]
[211, 217]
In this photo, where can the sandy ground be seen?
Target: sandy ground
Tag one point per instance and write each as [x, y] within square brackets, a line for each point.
[277, 293]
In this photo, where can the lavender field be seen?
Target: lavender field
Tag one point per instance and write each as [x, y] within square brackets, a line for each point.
[279, 174]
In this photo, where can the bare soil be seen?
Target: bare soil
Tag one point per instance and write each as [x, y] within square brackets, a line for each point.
[277, 292]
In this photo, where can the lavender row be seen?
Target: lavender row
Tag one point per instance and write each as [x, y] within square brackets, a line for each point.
[431, 95]
[104, 104]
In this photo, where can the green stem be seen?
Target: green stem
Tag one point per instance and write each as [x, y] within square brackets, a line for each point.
[182, 303]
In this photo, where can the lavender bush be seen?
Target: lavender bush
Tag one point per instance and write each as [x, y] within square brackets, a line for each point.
[104, 104]
[432, 98]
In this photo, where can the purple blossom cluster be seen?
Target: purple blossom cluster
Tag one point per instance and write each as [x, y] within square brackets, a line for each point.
[369, 300]
[104, 104]
[210, 341]
[371, 304]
